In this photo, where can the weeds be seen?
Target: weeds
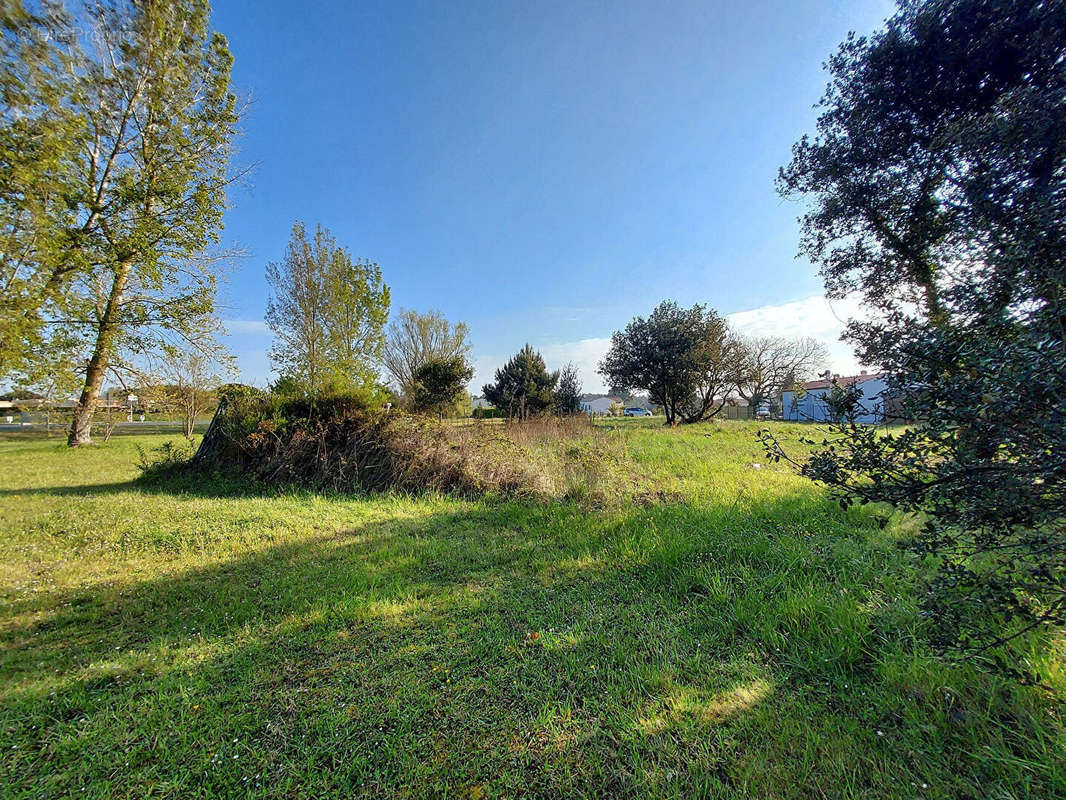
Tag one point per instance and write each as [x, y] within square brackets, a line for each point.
[342, 446]
[160, 461]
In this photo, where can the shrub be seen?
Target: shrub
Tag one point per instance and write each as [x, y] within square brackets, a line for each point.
[340, 444]
[163, 459]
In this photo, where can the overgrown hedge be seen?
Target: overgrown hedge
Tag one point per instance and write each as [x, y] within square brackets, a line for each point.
[339, 443]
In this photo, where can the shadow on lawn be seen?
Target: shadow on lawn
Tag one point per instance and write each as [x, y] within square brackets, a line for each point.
[532, 650]
[214, 485]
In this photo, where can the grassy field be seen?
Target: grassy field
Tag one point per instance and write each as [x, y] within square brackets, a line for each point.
[741, 636]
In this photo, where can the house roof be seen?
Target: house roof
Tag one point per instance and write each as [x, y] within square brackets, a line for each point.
[850, 380]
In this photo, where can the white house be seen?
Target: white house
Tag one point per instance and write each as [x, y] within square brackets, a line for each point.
[480, 402]
[810, 405]
[598, 403]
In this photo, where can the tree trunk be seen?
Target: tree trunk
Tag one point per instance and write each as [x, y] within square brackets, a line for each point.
[80, 429]
[933, 306]
[670, 411]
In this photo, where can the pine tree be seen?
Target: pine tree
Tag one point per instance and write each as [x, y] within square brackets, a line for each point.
[523, 385]
[568, 391]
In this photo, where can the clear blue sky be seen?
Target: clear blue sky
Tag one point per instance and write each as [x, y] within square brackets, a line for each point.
[543, 171]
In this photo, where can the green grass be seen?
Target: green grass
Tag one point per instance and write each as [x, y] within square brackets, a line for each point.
[742, 638]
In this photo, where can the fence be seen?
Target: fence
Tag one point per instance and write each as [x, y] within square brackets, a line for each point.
[736, 412]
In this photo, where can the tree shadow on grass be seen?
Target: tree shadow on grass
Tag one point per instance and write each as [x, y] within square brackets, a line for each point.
[213, 485]
[498, 650]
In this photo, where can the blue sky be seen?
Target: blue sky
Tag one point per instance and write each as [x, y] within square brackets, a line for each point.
[542, 171]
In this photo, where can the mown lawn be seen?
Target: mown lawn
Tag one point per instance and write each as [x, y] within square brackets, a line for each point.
[740, 637]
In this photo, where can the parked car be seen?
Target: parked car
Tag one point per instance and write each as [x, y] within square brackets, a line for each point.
[636, 411]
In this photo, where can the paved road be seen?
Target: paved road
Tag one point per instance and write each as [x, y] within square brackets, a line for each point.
[148, 426]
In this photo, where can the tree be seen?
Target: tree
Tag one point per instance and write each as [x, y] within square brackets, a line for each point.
[237, 391]
[161, 117]
[440, 382]
[937, 184]
[41, 135]
[463, 406]
[414, 339]
[772, 364]
[718, 364]
[358, 311]
[116, 139]
[523, 386]
[297, 309]
[686, 360]
[568, 391]
[327, 314]
[287, 386]
[190, 376]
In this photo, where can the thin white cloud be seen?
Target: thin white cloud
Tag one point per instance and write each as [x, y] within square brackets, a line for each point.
[245, 326]
[585, 354]
[813, 316]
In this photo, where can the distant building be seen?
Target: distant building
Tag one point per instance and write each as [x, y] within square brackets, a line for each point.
[480, 402]
[598, 403]
[810, 405]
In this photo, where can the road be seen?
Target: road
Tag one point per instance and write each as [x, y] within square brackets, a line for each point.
[148, 426]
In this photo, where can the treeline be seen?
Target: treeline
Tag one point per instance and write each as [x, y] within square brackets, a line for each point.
[117, 134]
[328, 313]
[690, 362]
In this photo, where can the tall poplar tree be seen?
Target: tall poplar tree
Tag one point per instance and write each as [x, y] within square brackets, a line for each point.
[161, 114]
[116, 148]
[327, 313]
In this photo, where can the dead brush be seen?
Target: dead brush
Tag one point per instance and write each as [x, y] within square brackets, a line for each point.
[341, 446]
[537, 430]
